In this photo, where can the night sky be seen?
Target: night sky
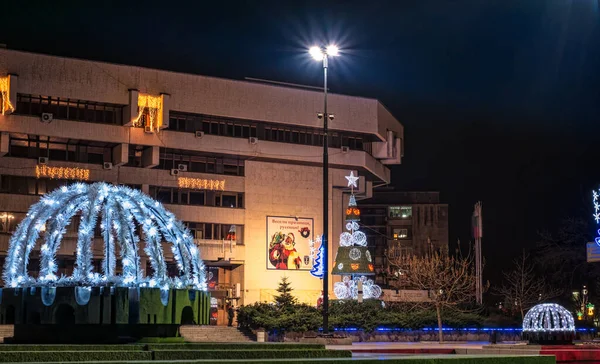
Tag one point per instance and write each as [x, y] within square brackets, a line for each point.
[500, 100]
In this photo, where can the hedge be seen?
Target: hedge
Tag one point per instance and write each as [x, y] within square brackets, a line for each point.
[64, 356]
[455, 359]
[248, 354]
[342, 314]
[67, 347]
[161, 340]
[235, 346]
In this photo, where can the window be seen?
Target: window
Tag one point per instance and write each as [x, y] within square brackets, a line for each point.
[239, 128]
[401, 212]
[181, 196]
[29, 185]
[211, 231]
[400, 234]
[60, 149]
[9, 221]
[70, 109]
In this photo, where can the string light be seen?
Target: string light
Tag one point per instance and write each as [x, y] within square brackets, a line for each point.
[118, 208]
[5, 96]
[154, 107]
[318, 269]
[548, 317]
[201, 184]
[62, 172]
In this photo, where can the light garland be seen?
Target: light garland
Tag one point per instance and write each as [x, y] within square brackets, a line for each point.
[318, 269]
[154, 106]
[548, 317]
[201, 184]
[348, 288]
[596, 215]
[81, 174]
[5, 95]
[119, 210]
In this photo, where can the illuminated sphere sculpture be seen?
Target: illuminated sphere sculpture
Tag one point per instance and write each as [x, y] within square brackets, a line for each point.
[120, 211]
[549, 323]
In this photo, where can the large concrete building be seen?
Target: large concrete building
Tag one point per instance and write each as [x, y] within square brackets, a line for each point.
[231, 159]
[403, 223]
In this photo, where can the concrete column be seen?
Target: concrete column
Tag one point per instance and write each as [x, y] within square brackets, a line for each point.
[146, 189]
[12, 91]
[165, 111]
[120, 154]
[150, 157]
[131, 110]
[4, 143]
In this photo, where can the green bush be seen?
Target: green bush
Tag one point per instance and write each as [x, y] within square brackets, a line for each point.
[235, 346]
[248, 354]
[69, 356]
[344, 314]
[57, 347]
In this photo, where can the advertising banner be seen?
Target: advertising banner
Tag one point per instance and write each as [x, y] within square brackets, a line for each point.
[288, 245]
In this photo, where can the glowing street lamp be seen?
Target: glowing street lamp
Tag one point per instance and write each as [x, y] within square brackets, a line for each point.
[323, 54]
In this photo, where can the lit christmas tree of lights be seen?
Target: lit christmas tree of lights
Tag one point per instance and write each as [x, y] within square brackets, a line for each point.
[349, 286]
[119, 210]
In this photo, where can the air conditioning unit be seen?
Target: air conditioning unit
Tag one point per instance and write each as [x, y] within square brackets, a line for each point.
[199, 134]
[253, 140]
[182, 167]
[43, 160]
[345, 149]
[47, 117]
[174, 172]
[107, 165]
[148, 129]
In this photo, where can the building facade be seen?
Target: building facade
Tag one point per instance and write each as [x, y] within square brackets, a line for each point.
[403, 223]
[238, 162]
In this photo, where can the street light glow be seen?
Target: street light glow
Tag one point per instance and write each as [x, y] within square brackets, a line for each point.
[332, 50]
[316, 53]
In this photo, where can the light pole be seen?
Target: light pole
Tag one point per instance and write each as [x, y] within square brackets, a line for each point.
[322, 54]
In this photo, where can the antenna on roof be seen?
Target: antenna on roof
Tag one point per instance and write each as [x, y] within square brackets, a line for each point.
[279, 83]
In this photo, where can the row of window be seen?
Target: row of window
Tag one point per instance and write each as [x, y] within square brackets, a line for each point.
[174, 159]
[70, 109]
[107, 113]
[238, 128]
[180, 196]
[59, 149]
[199, 230]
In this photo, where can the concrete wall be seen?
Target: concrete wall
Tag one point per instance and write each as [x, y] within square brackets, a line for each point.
[105, 82]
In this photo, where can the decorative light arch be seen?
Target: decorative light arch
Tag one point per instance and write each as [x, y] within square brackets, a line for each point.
[119, 210]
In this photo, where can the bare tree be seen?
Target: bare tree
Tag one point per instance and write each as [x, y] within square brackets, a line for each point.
[562, 254]
[449, 280]
[522, 288]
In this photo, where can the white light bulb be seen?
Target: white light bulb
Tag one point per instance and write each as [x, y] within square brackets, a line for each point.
[332, 50]
[316, 53]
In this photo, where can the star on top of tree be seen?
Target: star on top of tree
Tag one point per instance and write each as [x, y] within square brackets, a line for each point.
[352, 180]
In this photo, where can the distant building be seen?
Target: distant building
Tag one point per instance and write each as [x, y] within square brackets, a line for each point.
[403, 223]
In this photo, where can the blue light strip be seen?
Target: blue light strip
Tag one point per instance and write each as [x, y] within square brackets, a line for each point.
[472, 329]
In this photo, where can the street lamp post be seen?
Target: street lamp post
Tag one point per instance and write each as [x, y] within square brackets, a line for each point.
[321, 54]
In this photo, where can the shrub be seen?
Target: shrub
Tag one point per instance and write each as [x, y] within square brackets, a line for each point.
[57, 347]
[235, 346]
[68, 356]
[248, 354]
[345, 314]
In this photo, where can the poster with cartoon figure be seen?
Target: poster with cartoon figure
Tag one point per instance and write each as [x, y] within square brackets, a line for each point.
[288, 246]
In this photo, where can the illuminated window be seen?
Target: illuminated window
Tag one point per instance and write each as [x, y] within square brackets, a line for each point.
[401, 212]
[400, 234]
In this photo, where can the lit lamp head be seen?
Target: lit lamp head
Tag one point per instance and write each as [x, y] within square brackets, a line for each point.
[319, 53]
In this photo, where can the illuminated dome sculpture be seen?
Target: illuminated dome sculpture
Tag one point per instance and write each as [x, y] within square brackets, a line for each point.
[548, 323]
[120, 211]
